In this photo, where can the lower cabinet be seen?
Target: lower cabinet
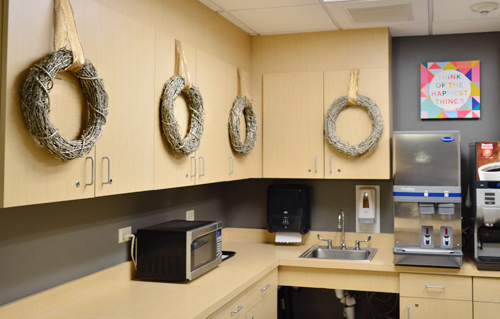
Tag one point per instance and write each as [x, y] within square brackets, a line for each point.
[266, 309]
[259, 301]
[486, 297]
[413, 308]
[435, 296]
[236, 308]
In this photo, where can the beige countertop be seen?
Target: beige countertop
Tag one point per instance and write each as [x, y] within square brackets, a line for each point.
[125, 298]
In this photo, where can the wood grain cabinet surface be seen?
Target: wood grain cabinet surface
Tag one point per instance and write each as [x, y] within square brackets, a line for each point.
[259, 301]
[354, 125]
[293, 130]
[435, 296]
[31, 175]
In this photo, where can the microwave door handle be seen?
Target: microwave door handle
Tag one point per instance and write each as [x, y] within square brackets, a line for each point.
[197, 234]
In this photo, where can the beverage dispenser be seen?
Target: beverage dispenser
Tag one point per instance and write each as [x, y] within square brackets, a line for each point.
[427, 199]
[484, 168]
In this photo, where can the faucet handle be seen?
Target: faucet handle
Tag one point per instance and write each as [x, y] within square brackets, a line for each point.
[356, 247]
[327, 240]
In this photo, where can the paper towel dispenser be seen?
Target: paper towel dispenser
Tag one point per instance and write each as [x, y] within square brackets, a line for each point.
[288, 208]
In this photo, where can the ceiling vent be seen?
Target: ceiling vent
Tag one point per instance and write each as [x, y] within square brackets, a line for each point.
[381, 14]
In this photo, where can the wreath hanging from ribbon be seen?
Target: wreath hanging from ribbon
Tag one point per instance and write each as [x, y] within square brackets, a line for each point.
[340, 104]
[242, 105]
[169, 123]
[35, 98]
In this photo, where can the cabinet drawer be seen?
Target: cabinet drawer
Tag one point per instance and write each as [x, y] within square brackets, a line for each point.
[228, 311]
[422, 308]
[486, 310]
[436, 286]
[262, 288]
[266, 309]
[486, 289]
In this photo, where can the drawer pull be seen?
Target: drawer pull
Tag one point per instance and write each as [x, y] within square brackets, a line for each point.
[239, 309]
[265, 288]
[408, 311]
[434, 287]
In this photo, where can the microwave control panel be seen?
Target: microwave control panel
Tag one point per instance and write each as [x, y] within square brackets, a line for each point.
[219, 242]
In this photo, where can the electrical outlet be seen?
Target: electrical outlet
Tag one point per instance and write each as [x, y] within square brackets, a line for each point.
[190, 215]
[122, 232]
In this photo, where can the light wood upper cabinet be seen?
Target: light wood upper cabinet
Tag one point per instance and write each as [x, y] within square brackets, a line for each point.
[212, 153]
[171, 169]
[293, 130]
[30, 174]
[33, 176]
[239, 166]
[128, 72]
[354, 126]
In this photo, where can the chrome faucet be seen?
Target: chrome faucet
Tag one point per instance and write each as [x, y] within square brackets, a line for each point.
[341, 226]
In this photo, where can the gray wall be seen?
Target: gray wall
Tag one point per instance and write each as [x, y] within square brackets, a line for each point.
[45, 245]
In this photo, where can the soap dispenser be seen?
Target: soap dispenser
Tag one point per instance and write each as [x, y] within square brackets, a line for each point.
[368, 209]
[366, 206]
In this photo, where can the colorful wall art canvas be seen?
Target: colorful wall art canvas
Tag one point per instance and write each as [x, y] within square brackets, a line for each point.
[450, 90]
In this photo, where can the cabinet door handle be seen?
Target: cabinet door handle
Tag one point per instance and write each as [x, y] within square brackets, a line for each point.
[203, 173]
[408, 311]
[435, 287]
[239, 309]
[109, 171]
[194, 166]
[331, 157]
[265, 288]
[93, 171]
[316, 164]
[232, 164]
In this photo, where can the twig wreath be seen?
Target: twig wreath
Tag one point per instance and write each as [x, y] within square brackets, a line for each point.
[240, 107]
[35, 103]
[169, 122]
[340, 145]
[35, 97]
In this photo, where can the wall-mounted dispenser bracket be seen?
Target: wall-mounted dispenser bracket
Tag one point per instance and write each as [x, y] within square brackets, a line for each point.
[368, 208]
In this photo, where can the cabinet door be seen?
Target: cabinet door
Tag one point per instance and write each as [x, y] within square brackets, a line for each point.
[416, 308]
[29, 174]
[171, 169]
[354, 125]
[266, 309]
[239, 166]
[486, 310]
[128, 73]
[212, 153]
[293, 125]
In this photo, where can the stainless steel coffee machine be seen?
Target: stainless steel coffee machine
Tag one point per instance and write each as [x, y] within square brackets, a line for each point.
[427, 199]
[484, 168]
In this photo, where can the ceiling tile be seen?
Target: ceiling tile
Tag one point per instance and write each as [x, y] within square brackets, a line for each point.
[340, 11]
[212, 5]
[453, 10]
[286, 19]
[409, 30]
[259, 4]
[466, 26]
[237, 23]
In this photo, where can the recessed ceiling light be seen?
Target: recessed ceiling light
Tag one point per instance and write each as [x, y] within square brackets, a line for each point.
[484, 7]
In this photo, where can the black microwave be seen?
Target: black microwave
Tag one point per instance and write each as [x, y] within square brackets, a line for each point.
[178, 250]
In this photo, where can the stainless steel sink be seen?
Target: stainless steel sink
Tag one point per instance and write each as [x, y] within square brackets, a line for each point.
[323, 252]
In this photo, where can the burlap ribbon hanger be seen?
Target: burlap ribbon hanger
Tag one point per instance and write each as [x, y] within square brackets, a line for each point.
[181, 65]
[352, 97]
[65, 30]
[243, 88]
